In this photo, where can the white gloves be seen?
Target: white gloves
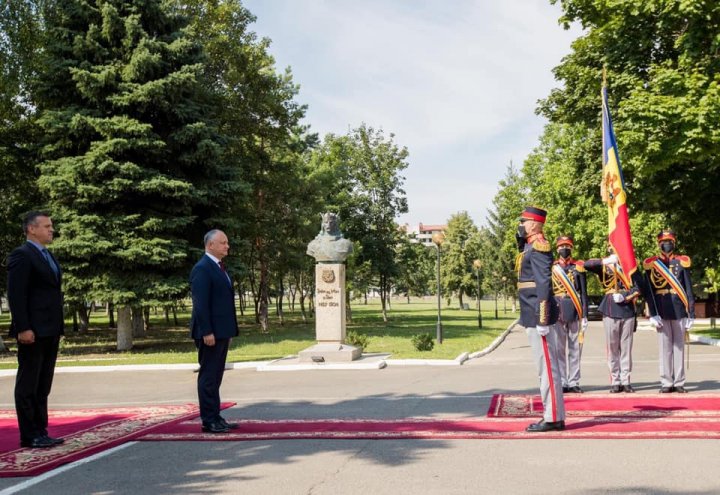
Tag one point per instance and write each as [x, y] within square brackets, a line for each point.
[656, 321]
[584, 324]
[543, 330]
[610, 260]
[618, 298]
[688, 323]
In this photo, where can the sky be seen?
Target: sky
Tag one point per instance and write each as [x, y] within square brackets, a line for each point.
[457, 83]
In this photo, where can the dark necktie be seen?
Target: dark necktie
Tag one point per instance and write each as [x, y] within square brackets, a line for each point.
[222, 266]
[50, 262]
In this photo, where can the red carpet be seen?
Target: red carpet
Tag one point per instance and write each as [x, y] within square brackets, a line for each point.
[589, 416]
[635, 405]
[86, 432]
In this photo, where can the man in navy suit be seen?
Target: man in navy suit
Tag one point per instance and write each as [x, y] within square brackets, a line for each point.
[212, 326]
[36, 307]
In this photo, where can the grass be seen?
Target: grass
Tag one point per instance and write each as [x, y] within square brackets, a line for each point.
[168, 344]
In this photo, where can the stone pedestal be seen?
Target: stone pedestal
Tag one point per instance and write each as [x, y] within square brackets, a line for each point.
[330, 317]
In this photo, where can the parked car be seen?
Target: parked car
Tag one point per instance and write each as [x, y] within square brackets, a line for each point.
[593, 305]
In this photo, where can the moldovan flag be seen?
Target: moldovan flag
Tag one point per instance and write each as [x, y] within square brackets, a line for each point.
[612, 189]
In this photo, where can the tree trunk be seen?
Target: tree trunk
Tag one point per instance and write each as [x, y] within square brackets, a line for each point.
[138, 329]
[167, 314]
[174, 312]
[3, 347]
[124, 329]
[263, 289]
[75, 319]
[279, 302]
[146, 317]
[383, 301]
[460, 298]
[111, 315]
[84, 317]
[348, 307]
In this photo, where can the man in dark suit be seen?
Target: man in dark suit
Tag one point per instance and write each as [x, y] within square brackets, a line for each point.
[36, 307]
[212, 325]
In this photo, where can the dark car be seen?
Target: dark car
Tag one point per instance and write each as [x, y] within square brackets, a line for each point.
[593, 305]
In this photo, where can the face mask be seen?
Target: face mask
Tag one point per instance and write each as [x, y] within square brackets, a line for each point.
[564, 252]
[667, 247]
[520, 236]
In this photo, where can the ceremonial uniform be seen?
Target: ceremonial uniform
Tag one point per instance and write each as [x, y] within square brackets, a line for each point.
[570, 293]
[538, 314]
[619, 320]
[668, 278]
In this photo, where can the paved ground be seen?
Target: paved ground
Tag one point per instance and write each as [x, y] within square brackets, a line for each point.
[533, 466]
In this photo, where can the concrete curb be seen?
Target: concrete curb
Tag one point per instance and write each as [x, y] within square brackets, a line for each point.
[458, 361]
[495, 343]
[704, 340]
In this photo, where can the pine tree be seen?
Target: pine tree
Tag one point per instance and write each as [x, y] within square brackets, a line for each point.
[133, 163]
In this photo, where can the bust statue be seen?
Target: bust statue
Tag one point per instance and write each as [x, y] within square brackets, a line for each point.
[329, 246]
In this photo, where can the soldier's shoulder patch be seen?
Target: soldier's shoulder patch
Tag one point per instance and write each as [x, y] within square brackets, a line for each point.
[647, 264]
[580, 266]
[684, 260]
[542, 245]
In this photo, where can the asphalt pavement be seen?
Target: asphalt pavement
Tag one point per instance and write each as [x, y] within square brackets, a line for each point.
[534, 466]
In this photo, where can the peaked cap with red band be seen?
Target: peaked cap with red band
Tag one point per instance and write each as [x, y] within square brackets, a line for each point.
[666, 235]
[532, 213]
[564, 240]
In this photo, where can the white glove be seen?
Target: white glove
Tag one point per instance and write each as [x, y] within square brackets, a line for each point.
[618, 298]
[688, 323]
[584, 324]
[543, 330]
[610, 260]
[656, 321]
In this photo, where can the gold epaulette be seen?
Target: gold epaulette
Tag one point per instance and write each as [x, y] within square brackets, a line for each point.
[647, 264]
[580, 266]
[541, 245]
[684, 260]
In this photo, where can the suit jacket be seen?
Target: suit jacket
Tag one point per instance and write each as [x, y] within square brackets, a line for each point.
[213, 301]
[34, 293]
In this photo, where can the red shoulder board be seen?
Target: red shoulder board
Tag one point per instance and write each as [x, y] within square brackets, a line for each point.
[647, 264]
[684, 260]
[580, 265]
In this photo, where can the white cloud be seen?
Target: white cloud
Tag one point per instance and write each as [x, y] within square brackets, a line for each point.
[456, 81]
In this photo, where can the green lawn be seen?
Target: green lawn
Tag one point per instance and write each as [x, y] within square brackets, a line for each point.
[171, 344]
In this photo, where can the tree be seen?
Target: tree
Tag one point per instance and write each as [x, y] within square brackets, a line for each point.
[460, 249]
[359, 176]
[416, 267]
[133, 166]
[663, 75]
[267, 144]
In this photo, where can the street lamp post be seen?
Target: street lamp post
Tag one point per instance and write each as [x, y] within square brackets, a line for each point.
[496, 295]
[438, 238]
[478, 265]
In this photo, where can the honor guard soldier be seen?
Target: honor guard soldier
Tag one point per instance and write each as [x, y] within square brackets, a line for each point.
[619, 319]
[668, 278]
[570, 290]
[539, 313]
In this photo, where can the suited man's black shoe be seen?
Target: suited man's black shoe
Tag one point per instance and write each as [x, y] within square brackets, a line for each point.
[229, 426]
[616, 389]
[681, 390]
[666, 390]
[543, 426]
[566, 390]
[575, 390]
[628, 389]
[55, 441]
[38, 443]
[215, 427]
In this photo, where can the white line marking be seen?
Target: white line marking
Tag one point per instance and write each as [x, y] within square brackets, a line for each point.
[45, 476]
